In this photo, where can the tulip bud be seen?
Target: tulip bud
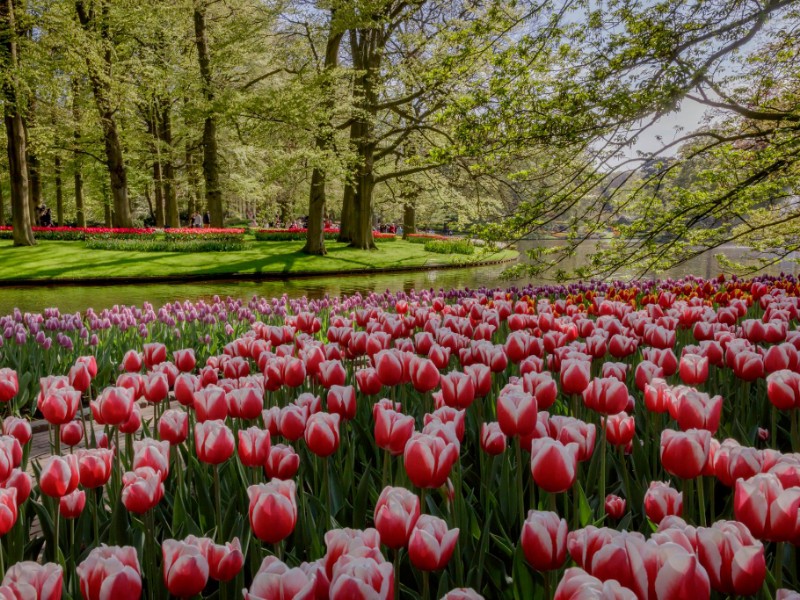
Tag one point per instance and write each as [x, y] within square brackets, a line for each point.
[544, 540]
[431, 543]
[108, 568]
[273, 510]
[185, 568]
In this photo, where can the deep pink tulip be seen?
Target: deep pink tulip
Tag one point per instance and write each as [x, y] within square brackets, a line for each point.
[225, 561]
[493, 440]
[428, 460]
[685, 453]
[254, 446]
[293, 421]
[575, 375]
[783, 389]
[661, 501]
[79, 377]
[27, 579]
[481, 378]
[113, 406]
[424, 374]
[173, 426]
[753, 503]
[554, 466]
[620, 429]
[392, 430]
[59, 406]
[214, 442]
[185, 387]
[9, 384]
[94, 466]
[368, 381]
[606, 395]
[110, 573]
[615, 506]
[20, 481]
[322, 433]
[458, 389]
[245, 403]
[543, 388]
[396, 513]
[59, 475]
[544, 540]
[71, 506]
[431, 543]
[732, 557]
[210, 404]
[133, 423]
[620, 346]
[748, 365]
[276, 581]
[577, 584]
[8, 509]
[273, 510]
[71, 434]
[516, 411]
[185, 568]
[389, 367]
[132, 361]
[184, 360]
[331, 372]
[342, 401]
[156, 386]
[282, 462]
[695, 410]
[19, 428]
[357, 578]
[646, 371]
[148, 452]
[154, 354]
[694, 369]
[142, 489]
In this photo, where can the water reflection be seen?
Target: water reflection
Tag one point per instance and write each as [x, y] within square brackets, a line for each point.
[74, 298]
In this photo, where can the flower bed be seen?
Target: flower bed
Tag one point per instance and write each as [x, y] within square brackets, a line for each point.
[421, 238]
[290, 235]
[223, 235]
[450, 246]
[82, 233]
[180, 244]
[588, 441]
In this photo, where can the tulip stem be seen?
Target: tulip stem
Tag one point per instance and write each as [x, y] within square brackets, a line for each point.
[426, 588]
[93, 494]
[795, 436]
[520, 494]
[774, 428]
[397, 574]
[701, 498]
[327, 480]
[602, 499]
[150, 563]
[2, 562]
[218, 503]
[625, 475]
[778, 566]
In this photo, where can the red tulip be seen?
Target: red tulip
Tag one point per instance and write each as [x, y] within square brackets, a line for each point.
[661, 501]
[732, 557]
[462, 594]
[396, 513]
[493, 440]
[59, 475]
[273, 510]
[276, 581]
[620, 346]
[752, 504]
[113, 406]
[213, 442]
[21, 482]
[389, 367]
[362, 578]
[554, 466]
[79, 377]
[516, 411]
[685, 453]
[9, 385]
[184, 360]
[782, 356]
[458, 389]
[368, 381]
[616, 370]
[94, 466]
[620, 429]
[27, 579]
[748, 365]
[392, 430]
[156, 386]
[331, 372]
[210, 404]
[783, 389]
[696, 410]
[657, 395]
[322, 433]
[694, 369]
[606, 395]
[431, 544]
[132, 361]
[185, 387]
[293, 421]
[133, 423]
[647, 371]
[424, 374]
[71, 506]
[148, 452]
[254, 446]
[570, 430]
[133, 382]
[481, 378]
[575, 375]
[544, 540]
[662, 357]
[71, 434]
[173, 426]
[428, 460]
[142, 490]
[680, 574]
[615, 506]
[154, 354]
[224, 561]
[8, 509]
[282, 462]
[59, 406]
[245, 403]
[353, 542]
[543, 388]
[577, 584]
[110, 573]
[342, 401]
[185, 568]
[19, 428]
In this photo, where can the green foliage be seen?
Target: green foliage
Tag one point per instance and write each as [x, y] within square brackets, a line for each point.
[455, 246]
[166, 245]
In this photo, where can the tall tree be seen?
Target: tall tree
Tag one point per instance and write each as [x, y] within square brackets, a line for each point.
[210, 154]
[15, 131]
[93, 16]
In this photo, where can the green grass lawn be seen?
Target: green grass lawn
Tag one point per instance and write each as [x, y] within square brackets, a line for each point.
[72, 260]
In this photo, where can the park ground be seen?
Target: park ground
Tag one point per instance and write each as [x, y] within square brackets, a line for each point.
[65, 261]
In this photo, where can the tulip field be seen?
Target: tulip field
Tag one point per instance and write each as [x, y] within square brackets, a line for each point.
[612, 441]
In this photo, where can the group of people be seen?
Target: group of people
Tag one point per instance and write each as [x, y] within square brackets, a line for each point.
[44, 216]
[390, 228]
[198, 221]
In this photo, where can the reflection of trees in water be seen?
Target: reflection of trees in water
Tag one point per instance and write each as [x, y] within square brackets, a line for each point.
[70, 299]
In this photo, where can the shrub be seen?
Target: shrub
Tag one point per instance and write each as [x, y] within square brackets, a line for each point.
[197, 244]
[208, 235]
[291, 235]
[450, 246]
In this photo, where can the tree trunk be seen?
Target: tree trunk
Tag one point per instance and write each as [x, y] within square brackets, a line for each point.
[2, 206]
[15, 132]
[210, 158]
[191, 182]
[34, 183]
[158, 189]
[59, 192]
[315, 236]
[409, 220]
[108, 214]
[171, 214]
[100, 78]
[80, 215]
[346, 221]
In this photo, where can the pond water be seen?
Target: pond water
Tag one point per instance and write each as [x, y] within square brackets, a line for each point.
[77, 298]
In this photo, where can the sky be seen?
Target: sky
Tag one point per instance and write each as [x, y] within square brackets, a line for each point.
[688, 117]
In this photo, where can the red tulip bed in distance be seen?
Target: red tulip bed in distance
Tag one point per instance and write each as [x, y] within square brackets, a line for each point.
[591, 441]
